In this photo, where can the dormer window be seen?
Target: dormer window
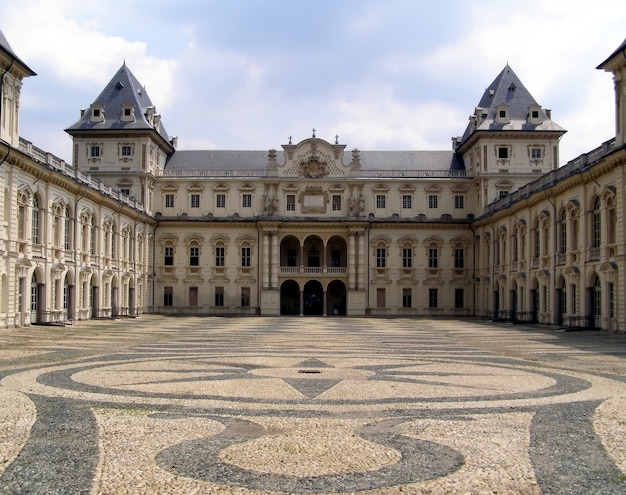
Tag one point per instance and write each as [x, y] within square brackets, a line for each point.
[534, 114]
[128, 112]
[97, 113]
[502, 114]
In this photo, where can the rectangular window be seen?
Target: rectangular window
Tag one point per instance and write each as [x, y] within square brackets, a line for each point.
[194, 256]
[195, 201]
[169, 201]
[335, 258]
[407, 257]
[407, 201]
[459, 202]
[459, 298]
[245, 256]
[291, 202]
[220, 201]
[219, 296]
[168, 258]
[459, 258]
[168, 296]
[503, 153]
[535, 153]
[433, 298]
[94, 151]
[611, 300]
[380, 298]
[126, 151]
[503, 194]
[246, 201]
[381, 257]
[433, 258]
[381, 201]
[406, 298]
[433, 201]
[336, 202]
[245, 297]
[125, 191]
[193, 296]
[219, 256]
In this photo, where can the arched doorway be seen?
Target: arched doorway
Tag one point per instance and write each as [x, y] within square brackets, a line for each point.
[35, 300]
[289, 298]
[290, 253]
[336, 300]
[313, 298]
[595, 303]
[560, 302]
[313, 249]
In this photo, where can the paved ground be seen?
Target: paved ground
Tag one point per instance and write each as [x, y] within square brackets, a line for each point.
[311, 406]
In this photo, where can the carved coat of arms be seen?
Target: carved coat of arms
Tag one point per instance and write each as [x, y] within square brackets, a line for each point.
[313, 168]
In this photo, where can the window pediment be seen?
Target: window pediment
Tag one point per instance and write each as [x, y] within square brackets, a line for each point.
[247, 187]
[169, 187]
[221, 187]
[433, 189]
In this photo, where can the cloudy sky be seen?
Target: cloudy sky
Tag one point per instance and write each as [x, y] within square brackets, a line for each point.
[381, 74]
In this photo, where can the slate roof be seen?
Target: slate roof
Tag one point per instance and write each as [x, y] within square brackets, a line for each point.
[508, 88]
[200, 160]
[122, 88]
[5, 47]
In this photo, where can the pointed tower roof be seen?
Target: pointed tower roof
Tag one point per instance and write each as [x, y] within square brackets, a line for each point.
[122, 92]
[507, 89]
[6, 50]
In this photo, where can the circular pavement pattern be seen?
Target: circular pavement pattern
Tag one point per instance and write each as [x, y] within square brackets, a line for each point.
[311, 405]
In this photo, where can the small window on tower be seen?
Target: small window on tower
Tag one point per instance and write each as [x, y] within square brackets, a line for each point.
[503, 153]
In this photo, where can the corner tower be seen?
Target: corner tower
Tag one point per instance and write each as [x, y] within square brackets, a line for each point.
[13, 71]
[120, 139]
[510, 139]
[616, 64]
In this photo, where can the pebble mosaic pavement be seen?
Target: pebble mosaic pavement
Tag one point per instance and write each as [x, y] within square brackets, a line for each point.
[303, 406]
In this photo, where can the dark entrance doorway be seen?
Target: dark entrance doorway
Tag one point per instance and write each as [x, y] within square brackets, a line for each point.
[313, 298]
[336, 298]
[289, 298]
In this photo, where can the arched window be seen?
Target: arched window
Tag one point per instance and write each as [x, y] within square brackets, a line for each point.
[563, 233]
[36, 221]
[611, 222]
[536, 240]
[596, 224]
[67, 232]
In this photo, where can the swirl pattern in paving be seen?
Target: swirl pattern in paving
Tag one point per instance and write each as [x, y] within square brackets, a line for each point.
[306, 406]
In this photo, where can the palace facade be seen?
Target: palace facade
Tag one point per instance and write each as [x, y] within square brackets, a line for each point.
[493, 228]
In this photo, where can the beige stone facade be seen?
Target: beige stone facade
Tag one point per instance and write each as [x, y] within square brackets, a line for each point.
[493, 228]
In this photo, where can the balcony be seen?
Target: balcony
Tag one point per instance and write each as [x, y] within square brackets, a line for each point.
[314, 270]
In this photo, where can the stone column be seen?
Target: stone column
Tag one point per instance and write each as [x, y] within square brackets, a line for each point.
[360, 283]
[266, 260]
[275, 260]
[351, 261]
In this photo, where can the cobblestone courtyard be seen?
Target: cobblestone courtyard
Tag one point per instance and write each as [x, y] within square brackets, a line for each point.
[311, 406]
